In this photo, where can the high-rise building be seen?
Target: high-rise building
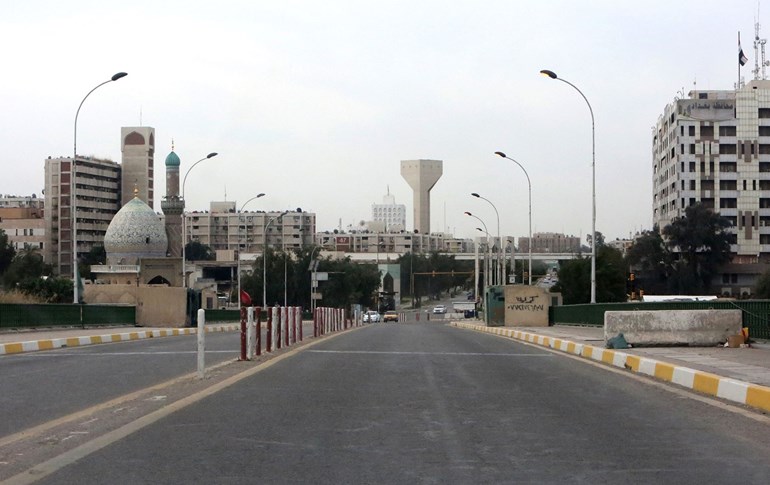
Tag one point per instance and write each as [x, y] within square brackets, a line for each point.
[713, 148]
[137, 144]
[392, 215]
[97, 199]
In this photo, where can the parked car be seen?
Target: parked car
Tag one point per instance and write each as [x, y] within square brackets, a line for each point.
[439, 309]
[371, 317]
[390, 316]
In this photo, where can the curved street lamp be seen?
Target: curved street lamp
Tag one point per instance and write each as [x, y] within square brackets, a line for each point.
[529, 184]
[500, 271]
[184, 219]
[489, 249]
[73, 199]
[264, 257]
[239, 244]
[553, 75]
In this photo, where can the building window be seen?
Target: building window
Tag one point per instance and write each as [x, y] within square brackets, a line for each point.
[727, 131]
[764, 131]
[728, 149]
[692, 148]
[691, 130]
[728, 185]
[728, 203]
[764, 113]
[706, 131]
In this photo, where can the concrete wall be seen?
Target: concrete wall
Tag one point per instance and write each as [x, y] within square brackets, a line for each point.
[526, 306]
[156, 306]
[673, 327]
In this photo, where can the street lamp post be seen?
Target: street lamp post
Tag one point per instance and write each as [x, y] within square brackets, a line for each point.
[313, 278]
[488, 265]
[264, 257]
[553, 75]
[73, 199]
[489, 249]
[184, 219]
[500, 271]
[529, 185]
[239, 244]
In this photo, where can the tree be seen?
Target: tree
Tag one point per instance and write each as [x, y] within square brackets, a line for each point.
[703, 244]
[27, 265]
[651, 261]
[762, 286]
[7, 252]
[96, 256]
[575, 277]
[196, 251]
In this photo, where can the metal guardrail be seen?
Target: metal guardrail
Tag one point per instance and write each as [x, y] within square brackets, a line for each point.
[14, 315]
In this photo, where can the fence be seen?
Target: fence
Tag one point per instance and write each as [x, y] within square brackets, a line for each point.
[756, 313]
[13, 315]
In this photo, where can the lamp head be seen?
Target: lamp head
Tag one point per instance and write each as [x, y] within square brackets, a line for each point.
[500, 154]
[119, 75]
[475, 194]
[212, 154]
[480, 229]
[548, 73]
[260, 195]
[468, 213]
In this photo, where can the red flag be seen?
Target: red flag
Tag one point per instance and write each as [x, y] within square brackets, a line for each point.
[245, 298]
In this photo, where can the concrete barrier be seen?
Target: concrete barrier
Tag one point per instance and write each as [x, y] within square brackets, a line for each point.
[673, 327]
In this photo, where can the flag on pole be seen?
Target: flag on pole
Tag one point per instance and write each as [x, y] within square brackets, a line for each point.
[742, 59]
[245, 298]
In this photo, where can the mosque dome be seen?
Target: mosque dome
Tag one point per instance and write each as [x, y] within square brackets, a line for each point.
[135, 232]
[172, 160]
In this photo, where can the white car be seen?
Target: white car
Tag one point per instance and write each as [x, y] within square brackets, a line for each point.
[439, 309]
[371, 317]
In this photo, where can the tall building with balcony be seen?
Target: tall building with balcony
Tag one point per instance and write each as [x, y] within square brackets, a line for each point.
[97, 200]
[713, 148]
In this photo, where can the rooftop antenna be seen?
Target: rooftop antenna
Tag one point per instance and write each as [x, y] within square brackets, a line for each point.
[759, 50]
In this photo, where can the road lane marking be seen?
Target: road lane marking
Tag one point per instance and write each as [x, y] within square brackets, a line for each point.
[382, 352]
[42, 470]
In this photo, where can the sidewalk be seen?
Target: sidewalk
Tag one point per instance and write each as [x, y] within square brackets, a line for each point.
[737, 374]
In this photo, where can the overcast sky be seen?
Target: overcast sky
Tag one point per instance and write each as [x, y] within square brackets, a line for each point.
[316, 103]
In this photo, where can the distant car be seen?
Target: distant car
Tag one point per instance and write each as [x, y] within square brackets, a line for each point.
[439, 309]
[371, 317]
[390, 316]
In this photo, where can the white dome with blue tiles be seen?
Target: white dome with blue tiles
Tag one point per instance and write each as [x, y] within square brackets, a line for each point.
[135, 232]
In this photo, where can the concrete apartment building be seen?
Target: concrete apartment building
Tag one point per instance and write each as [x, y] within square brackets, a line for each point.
[97, 199]
[713, 148]
[550, 242]
[392, 244]
[223, 229]
[23, 221]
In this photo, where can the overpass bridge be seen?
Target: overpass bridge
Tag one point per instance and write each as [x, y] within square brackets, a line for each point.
[385, 256]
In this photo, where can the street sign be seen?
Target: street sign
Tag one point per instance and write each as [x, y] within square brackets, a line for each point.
[316, 296]
[321, 276]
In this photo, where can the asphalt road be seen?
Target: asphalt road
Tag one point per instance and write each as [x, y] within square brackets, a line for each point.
[40, 386]
[399, 403]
